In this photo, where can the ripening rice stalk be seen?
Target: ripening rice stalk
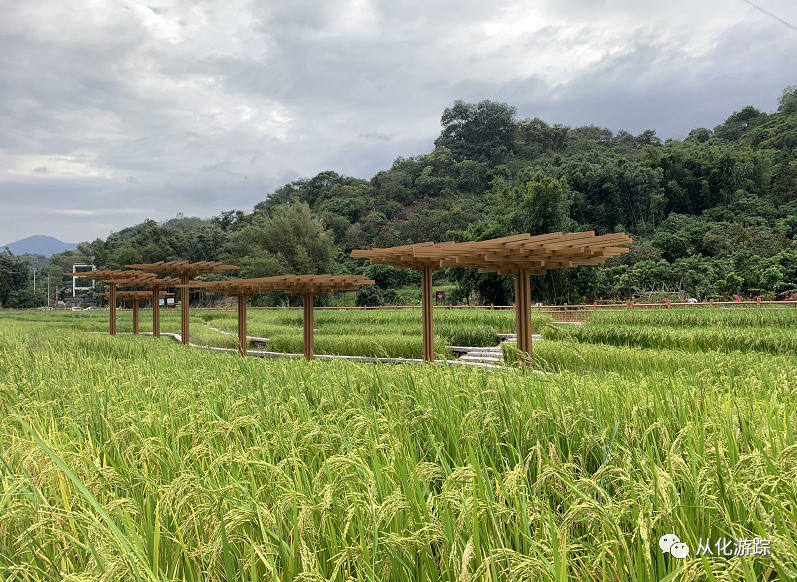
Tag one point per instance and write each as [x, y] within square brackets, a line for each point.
[772, 340]
[125, 458]
[681, 317]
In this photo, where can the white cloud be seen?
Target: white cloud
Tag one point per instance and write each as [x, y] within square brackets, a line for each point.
[203, 106]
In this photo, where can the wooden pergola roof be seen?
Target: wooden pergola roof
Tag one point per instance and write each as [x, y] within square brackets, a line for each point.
[184, 267]
[113, 275]
[293, 284]
[521, 255]
[506, 255]
[133, 278]
[132, 295]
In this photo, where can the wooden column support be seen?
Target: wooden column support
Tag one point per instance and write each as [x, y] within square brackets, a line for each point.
[523, 312]
[156, 313]
[308, 326]
[112, 306]
[184, 296]
[135, 316]
[427, 313]
[242, 338]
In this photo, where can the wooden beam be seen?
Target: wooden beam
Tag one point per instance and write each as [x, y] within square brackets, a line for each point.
[242, 338]
[184, 294]
[523, 312]
[427, 322]
[112, 306]
[308, 326]
[156, 314]
[135, 316]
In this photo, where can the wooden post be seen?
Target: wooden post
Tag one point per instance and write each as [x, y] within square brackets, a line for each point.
[426, 313]
[184, 294]
[565, 311]
[523, 311]
[156, 313]
[135, 316]
[711, 302]
[242, 339]
[669, 305]
[308, 326]
[758, 301]
[112, 306]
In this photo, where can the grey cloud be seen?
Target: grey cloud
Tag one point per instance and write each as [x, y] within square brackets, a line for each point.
[373, 136]
[209, 106]
[40, 170]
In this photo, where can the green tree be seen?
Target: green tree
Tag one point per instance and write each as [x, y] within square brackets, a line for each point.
[290, 234]
[539, 206]
[481, 132]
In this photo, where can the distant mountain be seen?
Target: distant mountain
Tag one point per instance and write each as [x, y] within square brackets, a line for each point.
[39, 245]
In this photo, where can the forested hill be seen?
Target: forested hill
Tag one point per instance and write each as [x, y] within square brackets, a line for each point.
[714, 214]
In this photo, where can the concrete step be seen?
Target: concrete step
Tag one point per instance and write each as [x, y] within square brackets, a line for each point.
[466, 349]
[535, 338]
[489, 360]
[482, 354]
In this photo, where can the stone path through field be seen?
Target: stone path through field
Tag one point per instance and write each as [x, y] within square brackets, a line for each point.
[488, 355]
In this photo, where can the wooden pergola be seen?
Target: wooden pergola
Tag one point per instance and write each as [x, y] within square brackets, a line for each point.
[112, 277]
[156, 287]
[136, 297]
[134, 278]
[185, 271]
[521, 255]
[308, 286]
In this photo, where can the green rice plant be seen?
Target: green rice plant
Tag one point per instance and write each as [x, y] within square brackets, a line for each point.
[125, 458]
[375, 346]
[601, 359]
[752, 316]
[744, 339]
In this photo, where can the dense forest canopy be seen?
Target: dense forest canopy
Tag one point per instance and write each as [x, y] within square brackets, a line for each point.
[712, 215]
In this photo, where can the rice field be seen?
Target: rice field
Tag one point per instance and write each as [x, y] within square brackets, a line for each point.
[393, 334]
[130, 458]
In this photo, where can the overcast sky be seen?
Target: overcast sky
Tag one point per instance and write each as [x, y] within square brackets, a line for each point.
[113, 112]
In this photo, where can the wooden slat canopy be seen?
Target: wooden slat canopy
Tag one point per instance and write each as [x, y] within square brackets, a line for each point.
[520, 255]
[132, 295]
[306, 285]
[184, 267]
[185, 271]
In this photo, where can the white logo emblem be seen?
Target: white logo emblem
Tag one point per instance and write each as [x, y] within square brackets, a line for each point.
[670, 543]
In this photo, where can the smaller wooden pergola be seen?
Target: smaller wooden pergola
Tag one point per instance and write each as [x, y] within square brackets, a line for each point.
[185, 271]
[134, 278]
[521, 255]
[136, 297]
[156, 288]
[308, 286]
[112, 277]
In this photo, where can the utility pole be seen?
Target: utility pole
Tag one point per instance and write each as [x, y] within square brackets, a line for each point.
[34, 281]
